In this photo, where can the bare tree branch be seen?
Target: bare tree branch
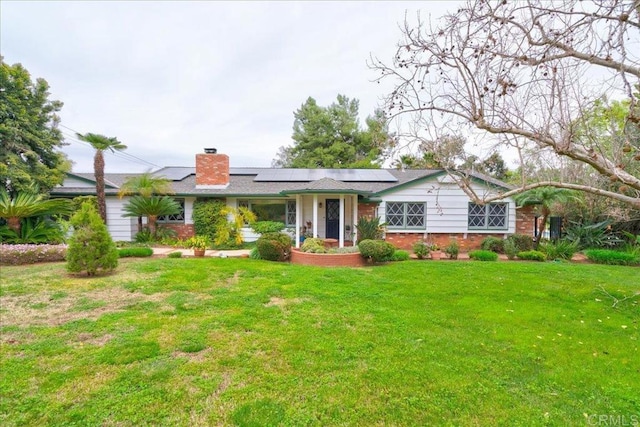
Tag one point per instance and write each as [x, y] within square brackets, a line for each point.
[525, 72]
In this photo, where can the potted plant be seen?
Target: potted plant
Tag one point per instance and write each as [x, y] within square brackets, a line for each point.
[199, 244]
[452, 249]
[434, 251]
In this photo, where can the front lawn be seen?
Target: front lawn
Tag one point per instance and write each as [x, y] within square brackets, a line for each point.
[253, 343]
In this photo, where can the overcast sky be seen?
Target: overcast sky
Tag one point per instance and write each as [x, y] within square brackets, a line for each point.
[170, 78]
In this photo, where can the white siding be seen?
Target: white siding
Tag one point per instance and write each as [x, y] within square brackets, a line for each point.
[188, 209]
[71, 181]
[120, 228]
[447, 207]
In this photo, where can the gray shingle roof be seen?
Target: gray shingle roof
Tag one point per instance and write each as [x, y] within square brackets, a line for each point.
[243, 183]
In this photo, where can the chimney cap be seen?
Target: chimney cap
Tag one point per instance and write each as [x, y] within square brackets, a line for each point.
[211, 150]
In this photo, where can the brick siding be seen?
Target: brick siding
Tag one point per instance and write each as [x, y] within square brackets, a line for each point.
[183, 231]
[212, 169]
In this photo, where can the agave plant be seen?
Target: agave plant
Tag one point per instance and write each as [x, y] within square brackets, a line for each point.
[151, 207]
[369, 229]
[596, 235]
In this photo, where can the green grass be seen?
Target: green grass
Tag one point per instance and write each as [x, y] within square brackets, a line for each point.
[253, 343]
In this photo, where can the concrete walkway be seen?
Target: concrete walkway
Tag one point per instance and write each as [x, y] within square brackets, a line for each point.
[239, 253]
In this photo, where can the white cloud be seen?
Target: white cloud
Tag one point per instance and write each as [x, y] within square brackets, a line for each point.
[169, 78]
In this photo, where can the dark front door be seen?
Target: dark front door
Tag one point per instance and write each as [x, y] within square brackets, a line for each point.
[333, 219]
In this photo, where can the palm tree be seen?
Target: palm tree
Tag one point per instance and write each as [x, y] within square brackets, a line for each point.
[546, 198]
[151, 207]
[101, 143]
[145, 185]
[29, 204]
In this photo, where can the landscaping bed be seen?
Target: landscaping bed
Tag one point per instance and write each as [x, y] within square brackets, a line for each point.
[353, 259]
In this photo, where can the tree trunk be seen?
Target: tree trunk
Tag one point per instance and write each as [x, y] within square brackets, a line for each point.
[543, 224]
[98, 169]
[152, 225]
[14, 224]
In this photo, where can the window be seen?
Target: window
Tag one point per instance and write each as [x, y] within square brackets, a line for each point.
[406, 215]
[175, 218]
[291, 213]
[488, 217]
[272, 210]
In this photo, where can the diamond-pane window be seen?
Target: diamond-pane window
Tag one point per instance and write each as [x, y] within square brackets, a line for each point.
[395, 214]
[175, 218]
[497, 217]
[291, 213]
[406, 215]
[491, 216]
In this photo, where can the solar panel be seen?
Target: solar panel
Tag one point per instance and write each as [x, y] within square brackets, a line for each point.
[305, 175]
[175, 173]
[245, 171]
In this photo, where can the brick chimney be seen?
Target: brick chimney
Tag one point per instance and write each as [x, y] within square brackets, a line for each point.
[212, 169]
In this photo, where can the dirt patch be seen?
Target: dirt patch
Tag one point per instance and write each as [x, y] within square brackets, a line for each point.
[100, 341]
[42, 309]
[232, 281]
[194, 357]
[282, 302]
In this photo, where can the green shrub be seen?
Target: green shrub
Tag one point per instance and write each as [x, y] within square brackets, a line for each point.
[143, 236]
[376, 250]
[165, 233]
[344, 250]
[609, 256]
[30, 254]
[283, 238]
[208, 215]
[91, 248]
[596, 235]
[34, 231]
[262, 227]
[523, 242]
[271, 250]
[452, 249]
[493, 244]
[176, 254]
[483, 255]
[562, 249]
[532, 256]
[274, 246]
[134, 252]
[254, 254]
[369, 229]
[510, 248]
[400, 255]
[313, 245]
[421, 249]
[632, 243]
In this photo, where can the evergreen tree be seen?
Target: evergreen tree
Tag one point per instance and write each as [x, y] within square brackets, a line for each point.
[29, 154]
[91, 248]
[331, 137]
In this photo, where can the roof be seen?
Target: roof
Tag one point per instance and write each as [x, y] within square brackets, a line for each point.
[274, 182]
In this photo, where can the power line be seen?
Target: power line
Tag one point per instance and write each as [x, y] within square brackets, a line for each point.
[117, 154]
[121, 154]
